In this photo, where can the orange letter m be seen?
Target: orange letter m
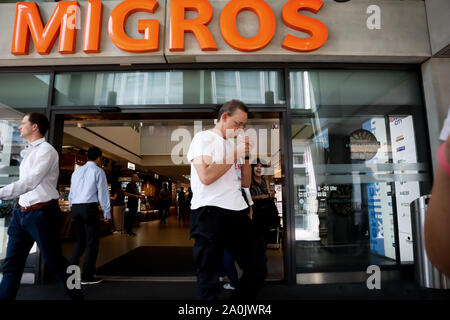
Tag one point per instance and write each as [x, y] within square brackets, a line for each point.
[29, 21]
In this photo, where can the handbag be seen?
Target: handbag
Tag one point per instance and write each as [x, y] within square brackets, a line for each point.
[266, 211]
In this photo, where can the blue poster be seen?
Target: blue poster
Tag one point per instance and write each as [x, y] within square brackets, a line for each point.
[376, 231]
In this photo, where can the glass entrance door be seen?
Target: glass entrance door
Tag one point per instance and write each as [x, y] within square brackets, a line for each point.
[155, 147]
[354, 178]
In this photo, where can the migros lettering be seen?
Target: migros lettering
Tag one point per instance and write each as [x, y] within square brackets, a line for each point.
[61, 25]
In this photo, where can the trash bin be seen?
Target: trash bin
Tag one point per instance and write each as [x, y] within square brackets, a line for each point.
[426, 274]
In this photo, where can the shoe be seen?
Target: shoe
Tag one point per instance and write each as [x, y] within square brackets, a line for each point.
[228, 286]
[116, 232]
[93, 280]
[221, 279]
[132, 234]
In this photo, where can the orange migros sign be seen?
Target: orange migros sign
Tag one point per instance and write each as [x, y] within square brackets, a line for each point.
[28, 26]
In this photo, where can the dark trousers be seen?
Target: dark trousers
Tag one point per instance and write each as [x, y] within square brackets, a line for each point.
[229, 268]
[86, 220]
[42, 226]
[130, 218]
[164, 212]
[215, 229]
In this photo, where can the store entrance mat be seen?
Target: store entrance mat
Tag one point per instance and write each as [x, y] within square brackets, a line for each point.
[151, 261]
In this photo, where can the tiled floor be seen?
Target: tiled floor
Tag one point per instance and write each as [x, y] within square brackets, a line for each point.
[173, 233]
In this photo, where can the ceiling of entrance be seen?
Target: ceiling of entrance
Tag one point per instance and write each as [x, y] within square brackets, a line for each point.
[146, 143]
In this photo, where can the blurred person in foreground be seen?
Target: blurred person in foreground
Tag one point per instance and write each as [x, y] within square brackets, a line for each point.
[437, 218]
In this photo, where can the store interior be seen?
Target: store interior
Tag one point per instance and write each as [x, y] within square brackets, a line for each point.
[155, 148]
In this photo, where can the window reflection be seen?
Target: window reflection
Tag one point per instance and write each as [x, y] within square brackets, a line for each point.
[169, 87]
[348, 175]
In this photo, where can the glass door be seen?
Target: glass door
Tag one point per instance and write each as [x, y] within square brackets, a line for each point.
[353, 177]
[155, 145]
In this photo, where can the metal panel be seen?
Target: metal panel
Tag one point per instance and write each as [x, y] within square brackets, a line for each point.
[343, 277]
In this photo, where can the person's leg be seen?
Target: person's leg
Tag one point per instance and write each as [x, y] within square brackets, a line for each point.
[230, 268]
[92, 230]
[121, 218]
[80, 244]
[166, 213]
[19, 245]
[44, 226]
[116, 212]
[208, 259]
[247, 247]
[128, 226]
[133, 215]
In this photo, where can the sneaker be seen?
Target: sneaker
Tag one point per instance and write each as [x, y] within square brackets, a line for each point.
[93, 280]
[228, 286]
[221, 279]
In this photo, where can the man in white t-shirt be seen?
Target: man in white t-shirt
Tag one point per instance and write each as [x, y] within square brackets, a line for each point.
[220, 215]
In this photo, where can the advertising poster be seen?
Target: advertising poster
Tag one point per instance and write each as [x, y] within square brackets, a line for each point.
[404, 151]
[381, 221]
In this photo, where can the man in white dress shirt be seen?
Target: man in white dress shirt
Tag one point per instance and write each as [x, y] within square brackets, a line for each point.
[38, 216]
[88, 187]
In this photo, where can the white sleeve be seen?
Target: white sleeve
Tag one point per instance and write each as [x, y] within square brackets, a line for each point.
[446, 129]
[44, 162]
[248, 196]
[200, 146]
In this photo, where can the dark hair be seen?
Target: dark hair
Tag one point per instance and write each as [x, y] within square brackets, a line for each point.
[94, 153]
[116, 185]
[230, 107]
[254, 164]
[40, 120]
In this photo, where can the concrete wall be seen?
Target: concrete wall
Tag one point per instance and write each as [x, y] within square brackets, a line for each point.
[403, 36]
[436, 83]
[438, 15]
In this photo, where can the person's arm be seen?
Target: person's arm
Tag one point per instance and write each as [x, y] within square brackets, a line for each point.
[209, 171]
[70, 192]
[103, 194]
[249, 201]
[133, 195]
[437, 219]
[254, 192]
[246, 171]
[44, 161]
[271, 193]
[260, 197]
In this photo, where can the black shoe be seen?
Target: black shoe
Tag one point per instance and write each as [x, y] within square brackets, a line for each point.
[132, 234]
[91, 280]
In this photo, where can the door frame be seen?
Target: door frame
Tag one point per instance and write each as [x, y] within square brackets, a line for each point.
[56, 116]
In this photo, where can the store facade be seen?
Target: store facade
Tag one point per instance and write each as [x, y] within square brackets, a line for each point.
[354, 146]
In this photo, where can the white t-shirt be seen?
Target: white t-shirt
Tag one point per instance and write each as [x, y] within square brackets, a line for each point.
[225, 192]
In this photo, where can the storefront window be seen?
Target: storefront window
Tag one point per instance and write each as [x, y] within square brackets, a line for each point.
[355, 168]
[312, 89]
[19, 94]
[168, 87]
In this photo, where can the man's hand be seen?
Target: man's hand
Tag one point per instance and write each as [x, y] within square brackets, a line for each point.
[243, 148]
[250, 213]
